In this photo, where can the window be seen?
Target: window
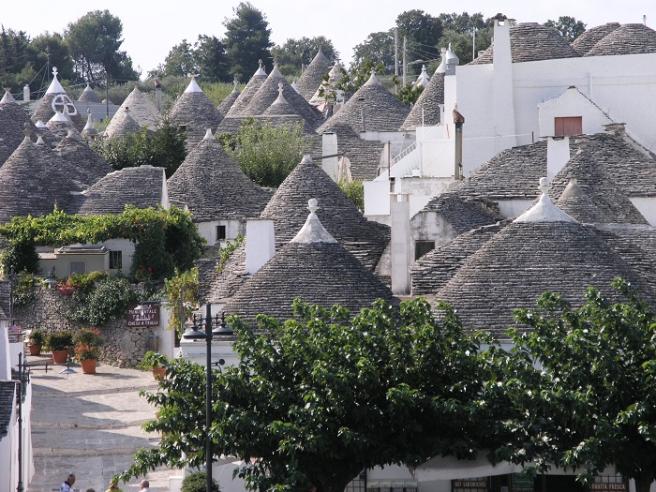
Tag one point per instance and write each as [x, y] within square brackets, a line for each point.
[115, 260]
[220, 232]
[568, 126]
[423, 247]
[78, 267]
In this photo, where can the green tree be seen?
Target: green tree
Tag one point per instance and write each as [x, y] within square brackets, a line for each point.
[461, 42]
[378, 49]
[582, 381]
[266, 153]
[327, 394]
[354, 191]
[180, 60]
[211, 59]
[358, 74]
[95, 41]
[296, 53]
[423, 32]
[568, 27]
[247, 40]
[51, 49]
[15, 57]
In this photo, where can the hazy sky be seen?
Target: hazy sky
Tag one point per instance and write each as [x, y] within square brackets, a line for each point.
[151, 28]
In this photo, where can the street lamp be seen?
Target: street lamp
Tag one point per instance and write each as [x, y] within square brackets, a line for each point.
[194, 333]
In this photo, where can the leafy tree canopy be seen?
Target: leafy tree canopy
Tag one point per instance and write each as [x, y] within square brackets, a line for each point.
[568, 27]
[247, 40]
[297, 53]
[206, 57]
[326, 394]
[95, 41]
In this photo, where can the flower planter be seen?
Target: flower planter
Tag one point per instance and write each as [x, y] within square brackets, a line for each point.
[59, 356]
[88, 366]
[34, 349]
[159, 373]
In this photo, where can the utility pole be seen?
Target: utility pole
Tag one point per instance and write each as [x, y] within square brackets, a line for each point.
[405, 67]
[396, 51]
[473, 42]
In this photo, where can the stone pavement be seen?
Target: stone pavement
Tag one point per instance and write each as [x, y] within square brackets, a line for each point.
[90, 425]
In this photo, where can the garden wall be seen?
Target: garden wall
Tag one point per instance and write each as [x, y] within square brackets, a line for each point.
[124, 346]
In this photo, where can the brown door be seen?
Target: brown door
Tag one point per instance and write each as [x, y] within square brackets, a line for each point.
[567, 126]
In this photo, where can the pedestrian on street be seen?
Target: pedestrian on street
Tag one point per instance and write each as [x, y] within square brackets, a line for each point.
[67, 486]
[144, 486]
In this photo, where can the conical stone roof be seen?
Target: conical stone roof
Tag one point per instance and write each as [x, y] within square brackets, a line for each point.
[195, 112]
[590, 37]
[33, 180]
[56, 95]
[545, 251]
[280, 106]
[214, 187]
[247, 94]
[629, 39]
[311, 78]
[225, 105]
[314, 267]
[268, 93]
[60, 125]
[122, 124]
[13, 119]
[423, 79]
[378, 107]
[530, 41]
[364, 239]
[142, 109]
[88, 95]
[427, 107]
[78, 154]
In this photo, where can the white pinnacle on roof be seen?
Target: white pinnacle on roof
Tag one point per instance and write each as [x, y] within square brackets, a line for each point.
[275, 73]
[260, 70]
[281, 98]
[193, 86]
[7, 98]
[89, 126]
[423, 79]
[544, 210]
[372, 79]
[39, 140]
[450, 55]
[208, 134]
[313, 230]
[59, 117]
[55, 87]
[40, 124]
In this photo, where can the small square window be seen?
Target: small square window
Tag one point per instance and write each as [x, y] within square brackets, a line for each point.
[423, 247]
[115, 260]
[220, 232]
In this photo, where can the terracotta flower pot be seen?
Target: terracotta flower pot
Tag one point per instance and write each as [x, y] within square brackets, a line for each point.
[34, 349]
[159, 373]
[59, 356]
[88, 366]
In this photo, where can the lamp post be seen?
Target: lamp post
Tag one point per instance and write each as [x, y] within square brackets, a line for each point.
[194, 333]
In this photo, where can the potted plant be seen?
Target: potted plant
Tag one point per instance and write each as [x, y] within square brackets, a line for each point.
[36, 341]
[87, 343]
[66, 288]
[59, 343]
[156, 363]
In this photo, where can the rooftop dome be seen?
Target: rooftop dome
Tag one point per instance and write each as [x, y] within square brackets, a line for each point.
[531, 41]
[365, 239]
[249, 91]
[214, 187]
[423, 79]
[56, 100]
[590, 37]
[372, 108]
[142, 109]
[313, 266]
[79, 155]
[629, 39]
[60, 124]
[280, 106]
[13, 119]
[426, 110]
[310, 80]
[195, 112]
[122, 124]
[88, 95]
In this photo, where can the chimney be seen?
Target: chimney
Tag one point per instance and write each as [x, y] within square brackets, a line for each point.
[329, 148]
[26, 92]
[260, 244]
[557, 155]
[401, 239]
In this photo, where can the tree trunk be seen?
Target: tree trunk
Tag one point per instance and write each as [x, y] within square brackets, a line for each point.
[643, 482]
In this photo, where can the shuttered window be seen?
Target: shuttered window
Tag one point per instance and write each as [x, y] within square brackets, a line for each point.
[567, 126]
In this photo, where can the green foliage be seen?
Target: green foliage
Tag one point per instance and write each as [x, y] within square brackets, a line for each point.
[152, 359]
[94, 41]
[196, 482]
[211, 59]
[247, 40]
[23, 290]
[108, 299]
[182, 295]
[88, 337]
[217, 91]
[354, 191]
[163, 147]
[461, 42]
[581, 385]
[86, 281]
[568, 27]
[165, 239]
[422, 32]
[266, 153]
[409, 94]
[359, 73]
[37, 337]
[227, 250]
[296, 53]
[327, 394]
[59, 340]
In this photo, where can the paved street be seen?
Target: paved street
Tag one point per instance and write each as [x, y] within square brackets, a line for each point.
[90, 425]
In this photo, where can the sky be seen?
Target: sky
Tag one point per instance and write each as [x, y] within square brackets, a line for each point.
[150, 28]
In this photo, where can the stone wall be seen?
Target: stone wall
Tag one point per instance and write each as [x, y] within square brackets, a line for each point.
[123, 346]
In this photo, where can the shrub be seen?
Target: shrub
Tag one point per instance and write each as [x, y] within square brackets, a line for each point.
[110, 298]
[152, 359]
[59, 340]
[196, 483]
[354, 191]
[37, 337]
[89, 337]
[24, 289]
[87, 353]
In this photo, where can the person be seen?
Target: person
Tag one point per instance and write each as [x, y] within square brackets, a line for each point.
[144, 486]
[67, 486]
